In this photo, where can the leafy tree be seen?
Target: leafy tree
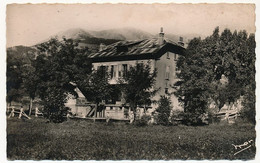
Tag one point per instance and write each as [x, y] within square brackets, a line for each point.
[138, 86]
[195, 79]
[30, 81]
[14, 78]
[215, 68]
[164, 110]
[95, 87]
[249, 99]
[54, 66]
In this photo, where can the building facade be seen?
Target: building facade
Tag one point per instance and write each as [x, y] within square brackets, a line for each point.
[160, 53]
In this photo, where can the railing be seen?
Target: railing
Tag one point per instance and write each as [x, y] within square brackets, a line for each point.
[229, 115]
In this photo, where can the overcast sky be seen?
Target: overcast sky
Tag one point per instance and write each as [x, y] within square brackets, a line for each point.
[29, 24]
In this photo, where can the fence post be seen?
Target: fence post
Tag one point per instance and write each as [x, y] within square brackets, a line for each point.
[95, 113]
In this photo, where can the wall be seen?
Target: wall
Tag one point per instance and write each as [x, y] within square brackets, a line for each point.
[120, 63]
[116, 112]
[169, 59]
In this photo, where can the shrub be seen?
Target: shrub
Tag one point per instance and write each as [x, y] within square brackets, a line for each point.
[143, 121]
[195, 119]
[58, 116]
[248, 110]
[164, 110]
[177, 117]
[248, 114]
[213, 118]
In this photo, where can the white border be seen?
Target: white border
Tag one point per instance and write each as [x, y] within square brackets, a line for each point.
[3, 4]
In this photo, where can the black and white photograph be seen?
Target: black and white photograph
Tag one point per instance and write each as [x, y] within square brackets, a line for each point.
[130, 81]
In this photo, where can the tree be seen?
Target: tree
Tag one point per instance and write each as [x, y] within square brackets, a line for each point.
[95, 87]
[164, 110]
[216, 68]
[195, 80]
[54, 66]
[14, 78]
[30, 81]
[138, 85]
[20, 72]
[249, 111]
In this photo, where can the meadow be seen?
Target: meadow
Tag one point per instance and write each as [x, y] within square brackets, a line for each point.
[36, 139]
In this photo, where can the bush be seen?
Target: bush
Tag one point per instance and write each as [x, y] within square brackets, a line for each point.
[164, 110]
[195, 119]
[143, 121]
[248, 114]
[213, 118]
[177, 117]
[58, 116]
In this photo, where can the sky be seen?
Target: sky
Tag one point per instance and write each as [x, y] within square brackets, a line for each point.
[28, 24]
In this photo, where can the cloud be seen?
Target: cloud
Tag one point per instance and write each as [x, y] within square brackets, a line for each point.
[28, 24]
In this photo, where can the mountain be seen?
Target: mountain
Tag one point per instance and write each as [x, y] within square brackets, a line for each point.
[113, 34]
[92, 39]
[123, 34]
[74, 33]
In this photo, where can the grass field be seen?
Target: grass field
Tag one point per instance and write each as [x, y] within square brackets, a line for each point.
[84, 140]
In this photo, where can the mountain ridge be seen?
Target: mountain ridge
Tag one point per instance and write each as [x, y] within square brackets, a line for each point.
[92, 39]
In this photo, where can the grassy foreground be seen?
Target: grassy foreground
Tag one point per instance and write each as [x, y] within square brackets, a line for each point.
[84, 140]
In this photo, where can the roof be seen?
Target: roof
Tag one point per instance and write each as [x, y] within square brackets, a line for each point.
[134, 50]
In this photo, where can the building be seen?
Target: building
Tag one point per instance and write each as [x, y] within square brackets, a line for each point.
[161, 53]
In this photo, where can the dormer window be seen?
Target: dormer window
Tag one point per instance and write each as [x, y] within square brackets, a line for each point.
[122, 48]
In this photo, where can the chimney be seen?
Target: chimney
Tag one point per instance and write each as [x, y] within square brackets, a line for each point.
[181, 43]
[161, 37]
[102, 47]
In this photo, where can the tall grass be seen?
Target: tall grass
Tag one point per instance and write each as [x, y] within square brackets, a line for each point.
[84, 140]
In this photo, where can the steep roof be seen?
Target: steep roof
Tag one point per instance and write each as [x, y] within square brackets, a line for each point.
[135, 50]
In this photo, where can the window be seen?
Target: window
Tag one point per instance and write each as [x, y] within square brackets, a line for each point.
[102, 69]
[124, 70]
[167, 72]
[166, 91]
[167, 55]
[115, 71]
[112, 72]
[122, 48]
[120, 71]
[175, 57]
[140, 64]
[176, 69]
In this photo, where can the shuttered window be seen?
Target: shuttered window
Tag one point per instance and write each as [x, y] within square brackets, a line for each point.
[167, 72]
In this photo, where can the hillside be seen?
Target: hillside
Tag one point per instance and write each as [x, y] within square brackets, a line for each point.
[21, 53]
[92, 39]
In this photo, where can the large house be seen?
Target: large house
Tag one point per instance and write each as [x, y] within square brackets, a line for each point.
[161, 53]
